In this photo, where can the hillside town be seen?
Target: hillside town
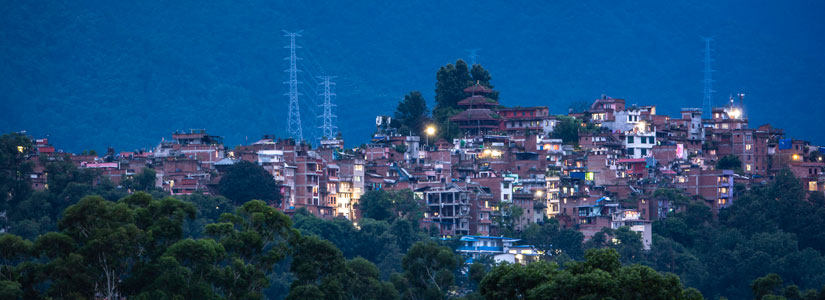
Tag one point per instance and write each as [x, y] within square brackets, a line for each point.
[505, 157]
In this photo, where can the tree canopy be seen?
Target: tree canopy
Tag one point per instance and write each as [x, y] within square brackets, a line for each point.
[729, 162]
[246, 181]
[411, 115]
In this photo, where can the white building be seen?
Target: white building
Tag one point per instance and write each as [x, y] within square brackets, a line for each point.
[502, 249]
[632, 218]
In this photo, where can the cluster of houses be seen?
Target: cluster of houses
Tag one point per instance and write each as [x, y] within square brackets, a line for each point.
[504, 157]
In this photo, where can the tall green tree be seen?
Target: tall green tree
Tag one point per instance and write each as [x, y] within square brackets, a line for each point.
[377, 205]
[256, 237]
[428, 271]
[14, 184]
[145, 180]
[411, 115]
[246, 181]
[318, 263]
[567, 130]
[729, 162]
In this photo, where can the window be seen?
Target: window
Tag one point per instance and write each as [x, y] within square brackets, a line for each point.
[630, 140]
[630, 151]
[652, 140]
[644, 151]
[359, 167]
[748, 146]
[812, 186]
[748, 167]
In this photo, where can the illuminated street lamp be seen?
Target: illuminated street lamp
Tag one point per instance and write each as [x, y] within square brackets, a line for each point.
[429, 131]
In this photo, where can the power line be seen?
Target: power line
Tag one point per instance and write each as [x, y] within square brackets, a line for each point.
[294, 120]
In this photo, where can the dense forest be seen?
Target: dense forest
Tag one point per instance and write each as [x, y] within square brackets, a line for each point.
[83, 237]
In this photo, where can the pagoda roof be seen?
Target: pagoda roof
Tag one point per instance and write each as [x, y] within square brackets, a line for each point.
[478, 89]
[475, 114]
[478, 100]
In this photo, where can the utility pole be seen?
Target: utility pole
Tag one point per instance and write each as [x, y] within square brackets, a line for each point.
[328, 130]
[294, 120]
[707, 102]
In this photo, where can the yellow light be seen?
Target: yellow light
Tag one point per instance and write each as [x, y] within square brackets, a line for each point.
[735, 113]
[795, 157]
[539, 193]
[430, 130]
[641, 126]
[487, 152]
[496, 153]
[20, 149]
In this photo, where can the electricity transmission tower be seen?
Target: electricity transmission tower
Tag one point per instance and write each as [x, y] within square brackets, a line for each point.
[328, 130]
[473, 55]
[294, 120]
[707, 102]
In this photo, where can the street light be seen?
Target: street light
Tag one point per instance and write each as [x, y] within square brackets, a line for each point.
[429, 131]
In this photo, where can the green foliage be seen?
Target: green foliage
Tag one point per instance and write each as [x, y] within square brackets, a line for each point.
[31, 213]
[771, 229]
[554, 240]
[729, 162]
[209, 208]
[376, 205]
[14, 186]
[567, 129]
[514, 281]
[145, 180]
[428, 271]
[321, 270]
[412, 114]
[627, 243]
[256, 237]
[377, 241]
[391, 205]
[401, 149]
[600, 276]
[770, 284]
[246, 181]
[509, 219]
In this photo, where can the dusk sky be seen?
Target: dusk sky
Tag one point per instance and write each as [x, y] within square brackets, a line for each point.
[91, 74]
